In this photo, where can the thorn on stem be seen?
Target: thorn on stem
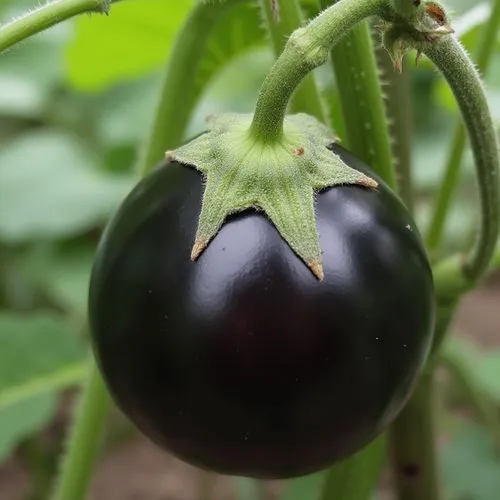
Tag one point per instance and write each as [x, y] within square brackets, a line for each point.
[317, 269]
[275, 7]
[418, 57]
[105, 7]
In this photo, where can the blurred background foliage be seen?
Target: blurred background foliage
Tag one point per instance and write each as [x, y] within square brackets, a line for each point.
[76, 103]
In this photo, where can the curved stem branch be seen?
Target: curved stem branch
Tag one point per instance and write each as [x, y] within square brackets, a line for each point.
[46, 16]
[178, 90]
[450, 57]
[85, 440]
[485, 50]
[306, 49]
[308, 98]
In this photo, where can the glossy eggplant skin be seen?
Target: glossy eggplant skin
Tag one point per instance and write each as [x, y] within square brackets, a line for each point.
[242, 362]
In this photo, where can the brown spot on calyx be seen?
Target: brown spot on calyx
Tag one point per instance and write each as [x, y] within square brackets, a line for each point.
[299, 151]
[199, 245]
[437, 13]
[367, 182]
[317, 268]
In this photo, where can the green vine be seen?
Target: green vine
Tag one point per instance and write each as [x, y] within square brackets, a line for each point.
[48, 15]
[177, 94]
[362, 101]
[484, 53]
[85, 440]
[450, 57]
[413, 442]
[306, 49]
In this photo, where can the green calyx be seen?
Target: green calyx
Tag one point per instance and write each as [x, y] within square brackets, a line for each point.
[279, 178]
[413, 24]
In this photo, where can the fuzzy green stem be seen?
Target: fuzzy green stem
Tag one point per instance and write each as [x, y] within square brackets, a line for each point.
[356, 477]
[450, 57]
[484, 53]
[399, 111]
[306, 49]
[178, 91]
[413, 443]
[85, 440]
[363, 109]
[46, 16]
[308, 98]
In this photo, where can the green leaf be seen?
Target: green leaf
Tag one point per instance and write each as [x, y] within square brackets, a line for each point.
[29, 73]
[483, 366]
[471, 466]
[134, 40]
[23, 419]
[62, 275]
[356, 477]
[50, 187]
[304, 488]
[237, 31]
[39, 352]
[488, 374]
[124, 112]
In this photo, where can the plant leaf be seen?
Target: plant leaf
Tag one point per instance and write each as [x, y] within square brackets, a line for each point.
[24, 419]
[133, 40]
[50, 188]
[62, 275]
[471, 467]
[39, 352]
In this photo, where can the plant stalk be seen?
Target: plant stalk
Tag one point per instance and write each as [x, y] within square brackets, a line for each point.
[306, 49]
[177, 96]
[413, 442]
[361, 99]
[399, 111]
[85, 440]
[307, 98]
[484, 53]
[91, 415]
[450, 57]
[46, 16]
